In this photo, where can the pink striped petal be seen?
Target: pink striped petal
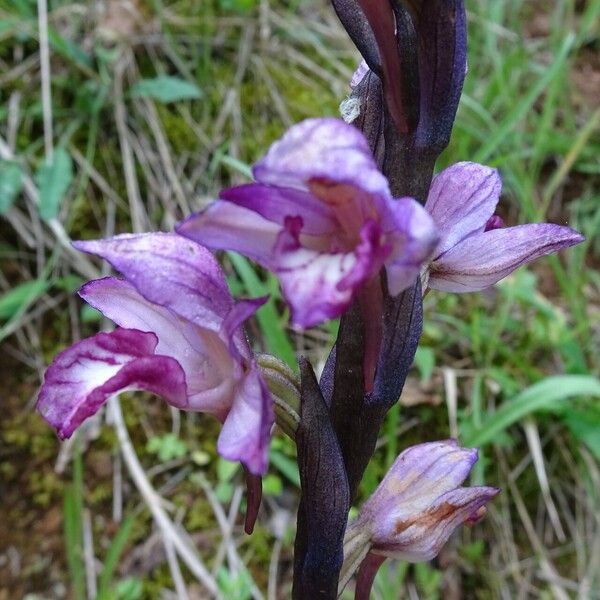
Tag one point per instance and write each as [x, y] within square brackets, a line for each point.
[82, 378]
[483, 259]
[171, 271]
[414, 237]
[420, 537]
[277, 203]
[203, 355]
[247, 429]
[322, 149]
[461, 200]
[227, 226]
[319, 285]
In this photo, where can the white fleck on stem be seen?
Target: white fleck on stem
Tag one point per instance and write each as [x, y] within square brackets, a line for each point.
[46, 78]
[153, 501]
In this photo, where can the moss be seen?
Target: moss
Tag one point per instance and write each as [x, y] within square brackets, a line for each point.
[45, 486]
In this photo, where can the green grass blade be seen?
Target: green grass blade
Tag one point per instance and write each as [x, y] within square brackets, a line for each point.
[286, 466]
[73, 519]
[269, 320]
[521, 108]
[540, 396]
[112, 557]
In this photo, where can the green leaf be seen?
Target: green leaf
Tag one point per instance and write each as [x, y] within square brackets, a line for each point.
[272, 485]
[269, 320]
[54, 179]
[540, 396]
[69, 49]
[129, 589]
[112, 557]
[524, 104]
[166, 89]
[425, 361]
[167, 447]
[226, 469]
[20, 297]
[286, 466]
[585, 426]
[72, 528]
[90, 314]
[11, 182]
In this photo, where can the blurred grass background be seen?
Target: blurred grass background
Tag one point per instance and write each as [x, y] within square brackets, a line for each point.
[155, 106]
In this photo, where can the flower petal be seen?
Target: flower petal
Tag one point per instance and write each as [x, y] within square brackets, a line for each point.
[461, 200]
[169, 270]
[318, 285]
[227, 226]
[418, 477]
[322, 149]
[277, 203]
[483, 259]
[202, 354]
[414, 236]
[84, 376]
[247, 429]
[420, 539]
[232, 329]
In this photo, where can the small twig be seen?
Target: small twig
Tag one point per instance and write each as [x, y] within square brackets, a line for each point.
[153, 501]
[451, 399]
[45, 77]
[535, 447]
[175, 570]
[233, 512]
[235, 562]
[273, 570]
[131, 182]
[88, 555]
[80, 262]
[117, 500]
[547, 567]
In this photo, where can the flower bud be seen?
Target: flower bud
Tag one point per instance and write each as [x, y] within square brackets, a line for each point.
[420, 502]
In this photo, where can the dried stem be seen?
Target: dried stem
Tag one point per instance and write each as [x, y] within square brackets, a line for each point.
[153, 501]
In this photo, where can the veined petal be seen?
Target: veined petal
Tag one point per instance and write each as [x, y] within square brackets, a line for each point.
[461, 200]
[202, 354]
[318, 285]
[277, 203]
[322, 149]
[171, 271]
[224, 225]
[84, 376]
[420, 475]
[483, 259]
[247, 429]
[414, 238]
[420, 538]
[232, 329]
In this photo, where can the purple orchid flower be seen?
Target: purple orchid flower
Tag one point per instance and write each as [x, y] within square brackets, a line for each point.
[475, 250]
[321, 217]
[180, 337]
[418, 505]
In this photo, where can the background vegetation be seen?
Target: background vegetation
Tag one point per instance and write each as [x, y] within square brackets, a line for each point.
[156, 105]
